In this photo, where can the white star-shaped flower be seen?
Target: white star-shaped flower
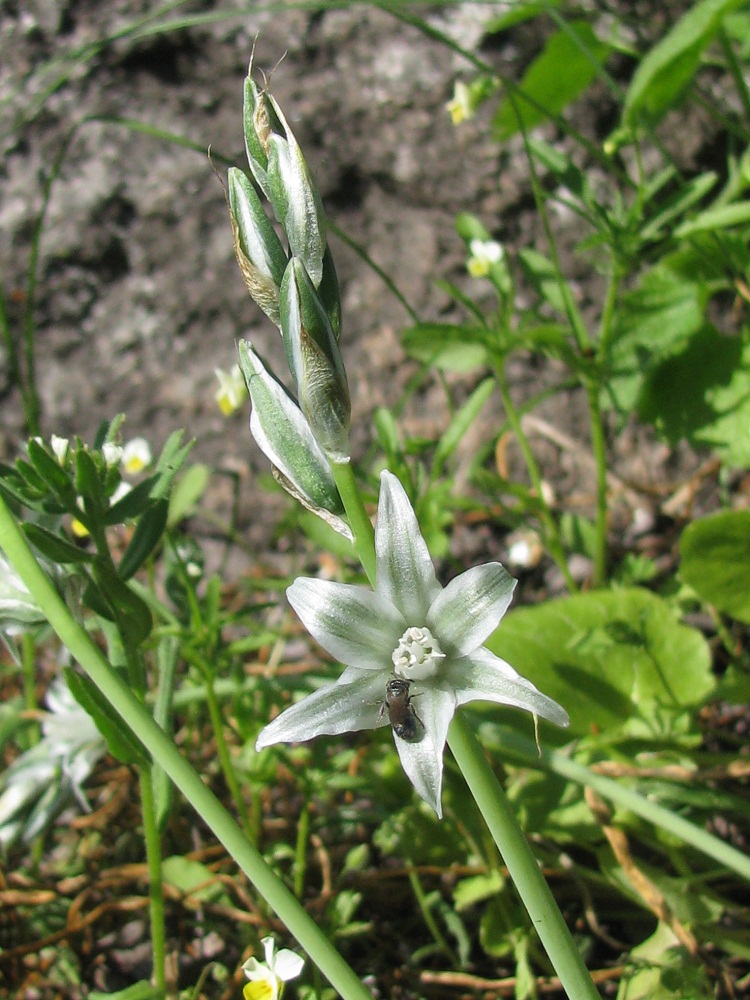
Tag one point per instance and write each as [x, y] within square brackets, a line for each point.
[410, 630]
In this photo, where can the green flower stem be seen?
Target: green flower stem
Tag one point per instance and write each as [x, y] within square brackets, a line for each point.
[521, 863]
[156, 891]
[593, 384]
[599, 447]
[359, 522]
[552, 535]
[225, 760]
[341, 976]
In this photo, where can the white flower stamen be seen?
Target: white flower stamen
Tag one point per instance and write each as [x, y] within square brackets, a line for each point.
[417, 655]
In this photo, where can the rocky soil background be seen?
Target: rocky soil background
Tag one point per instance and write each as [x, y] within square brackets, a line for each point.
[139, 297]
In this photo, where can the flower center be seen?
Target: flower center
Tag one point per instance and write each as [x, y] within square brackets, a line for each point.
[417, 654]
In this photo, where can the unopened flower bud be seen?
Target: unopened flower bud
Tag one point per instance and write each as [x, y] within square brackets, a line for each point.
[282, 174]
[258, 249]
[284, 436]
[295, 198]
[315, 362]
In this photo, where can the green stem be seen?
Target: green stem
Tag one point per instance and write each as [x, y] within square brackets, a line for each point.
[156, 892]
[225, 760]
[737, 74]
[311, 938]
[521, 863]
[552, 535]
[359, 522]
[599, 448]
[424, 909]
[598, 437]
[300, 852]
[560, 763]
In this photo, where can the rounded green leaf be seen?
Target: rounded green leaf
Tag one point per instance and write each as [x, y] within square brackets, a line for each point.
[613, 659]
[716, 561]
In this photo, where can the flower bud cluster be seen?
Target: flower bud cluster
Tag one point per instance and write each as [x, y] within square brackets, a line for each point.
[293, 280]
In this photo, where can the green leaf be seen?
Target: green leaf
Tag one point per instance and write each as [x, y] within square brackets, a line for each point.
[651, 323]
[715, 555]
[716, 218]
[138, 991]
[477, 888]
[115, 601]
[517, 14]
[703, 395]
[665, 71]
[570, 61]
[147, 536]
[53, 546]
[187, 492]
[133, 503]
[89, 483]
[664, 970]
[50, 470]
[121, 742]
[540, 272]
[448, 347]
[461, 423]
[613, 659]
[194, 878]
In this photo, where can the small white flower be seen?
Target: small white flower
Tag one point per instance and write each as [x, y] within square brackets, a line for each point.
[484, 253]
[136, 456]
[429, 636]
[112, 454]
[525, 549]
[232, 391]
[267, 978]
[59, 446]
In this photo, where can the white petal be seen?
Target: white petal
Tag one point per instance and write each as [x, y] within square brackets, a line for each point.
[331, 710]
[469, 609]
[288, 965]
[355, 625]
[269, 949]
[405, 574]
[485, 677]
[423, 761]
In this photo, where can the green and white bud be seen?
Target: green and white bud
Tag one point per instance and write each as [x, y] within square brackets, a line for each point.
[328, 292]
[295, 199]
[315, 361]
[285, 438]
[258, 249]
[281, 171]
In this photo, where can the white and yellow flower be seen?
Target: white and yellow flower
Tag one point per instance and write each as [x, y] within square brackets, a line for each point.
[136, 456]
[232, 391]
[267, 978]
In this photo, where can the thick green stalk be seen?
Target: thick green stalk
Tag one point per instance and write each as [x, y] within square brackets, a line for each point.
[521, 863]
[341, 976]
[359, 522]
